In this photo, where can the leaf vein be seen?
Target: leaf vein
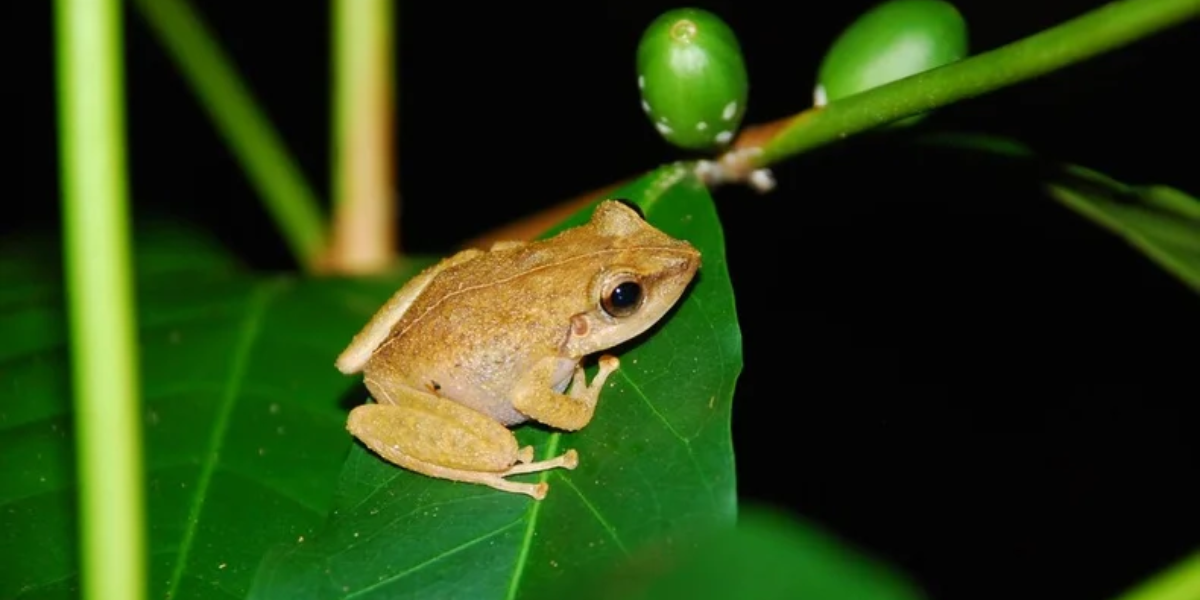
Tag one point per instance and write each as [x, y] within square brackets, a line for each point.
[532, 515]
[392, 522]
[455, 550]
[256, 309]
[646, 399]
[687, 443]
[612, 532]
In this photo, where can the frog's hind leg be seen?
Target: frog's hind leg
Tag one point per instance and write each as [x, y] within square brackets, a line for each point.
[441, 438]
[494, 480]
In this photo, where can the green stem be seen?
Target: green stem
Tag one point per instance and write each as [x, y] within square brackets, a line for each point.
[1180, 582]
[272, 171]
[108, 435]
[364, 223]
[1106, 28]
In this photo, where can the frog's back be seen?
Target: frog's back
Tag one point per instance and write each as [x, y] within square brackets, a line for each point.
[480, 325]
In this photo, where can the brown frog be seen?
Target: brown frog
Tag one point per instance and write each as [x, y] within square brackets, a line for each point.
[486, 340]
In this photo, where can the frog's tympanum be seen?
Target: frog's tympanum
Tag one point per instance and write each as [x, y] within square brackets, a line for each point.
[486, 340]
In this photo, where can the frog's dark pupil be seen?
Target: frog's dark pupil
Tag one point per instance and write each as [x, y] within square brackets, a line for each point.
[626, 295]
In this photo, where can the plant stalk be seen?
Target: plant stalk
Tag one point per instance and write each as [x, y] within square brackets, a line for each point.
[272, 171]
[365, 197]
[1104, 29]
[99, 294]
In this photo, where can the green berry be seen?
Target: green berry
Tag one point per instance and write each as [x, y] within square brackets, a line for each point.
[692, 79]
[891, 41]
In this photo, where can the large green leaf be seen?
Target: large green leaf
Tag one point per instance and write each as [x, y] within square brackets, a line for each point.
[244, 436]
[769, 555]
[656, 465]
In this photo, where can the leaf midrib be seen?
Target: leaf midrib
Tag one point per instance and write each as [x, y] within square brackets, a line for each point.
[514, 583]
[256, 309]
[650, 197]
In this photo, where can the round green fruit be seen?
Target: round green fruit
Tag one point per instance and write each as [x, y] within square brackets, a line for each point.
[891, 41]
[692, 79]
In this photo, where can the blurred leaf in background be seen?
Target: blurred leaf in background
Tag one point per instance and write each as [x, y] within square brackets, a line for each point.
[769, 555]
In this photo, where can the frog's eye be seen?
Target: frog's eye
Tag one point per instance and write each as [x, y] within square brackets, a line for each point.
[622, 299]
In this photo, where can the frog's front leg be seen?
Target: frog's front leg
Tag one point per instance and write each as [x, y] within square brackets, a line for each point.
[570, 411]
[441, 438]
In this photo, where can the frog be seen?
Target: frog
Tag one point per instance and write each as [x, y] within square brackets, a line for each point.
[486, 340]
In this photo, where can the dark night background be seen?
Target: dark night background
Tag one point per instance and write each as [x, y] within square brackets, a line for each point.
[942, 365]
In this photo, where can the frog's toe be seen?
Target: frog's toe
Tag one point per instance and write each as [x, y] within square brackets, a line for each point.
[570, 459]
[609, 362]
[566, 460]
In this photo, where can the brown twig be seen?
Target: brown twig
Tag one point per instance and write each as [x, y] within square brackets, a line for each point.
[529, 227]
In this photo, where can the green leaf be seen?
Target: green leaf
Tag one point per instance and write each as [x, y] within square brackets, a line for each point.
[1160, 221]
[768, 555]
[1180, 581]
[655, 463]
[244, 430]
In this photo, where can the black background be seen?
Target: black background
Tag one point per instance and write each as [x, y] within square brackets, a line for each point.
[942, 365]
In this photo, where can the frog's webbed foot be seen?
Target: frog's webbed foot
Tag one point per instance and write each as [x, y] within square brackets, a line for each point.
[440, 438]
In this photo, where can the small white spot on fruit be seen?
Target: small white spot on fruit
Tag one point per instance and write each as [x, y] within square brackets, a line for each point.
[641, 82]
[701, 126]
[645, 107]
[730, 110]
[819, 98]
[724, 137]
[663, 128]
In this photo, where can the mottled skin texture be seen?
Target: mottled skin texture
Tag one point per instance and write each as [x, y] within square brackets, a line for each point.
[486, 340]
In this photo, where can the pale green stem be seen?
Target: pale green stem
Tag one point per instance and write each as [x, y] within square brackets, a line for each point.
[365, 200]
[271, 170]
[1101, 30]
[108, 435]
